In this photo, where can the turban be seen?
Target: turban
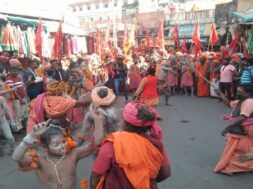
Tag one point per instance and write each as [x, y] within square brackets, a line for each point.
[130, 116]
[103, 101]
[56, 88]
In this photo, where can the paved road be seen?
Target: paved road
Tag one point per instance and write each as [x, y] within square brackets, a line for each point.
[192, 136]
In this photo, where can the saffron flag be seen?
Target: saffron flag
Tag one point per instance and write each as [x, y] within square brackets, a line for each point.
[184, 46]
[57, 47]
[175, 35]
[38, 39]
[160, 41]
[147, 40]
[196, 39]
[126, 42]
[213, 36]
[232, 46]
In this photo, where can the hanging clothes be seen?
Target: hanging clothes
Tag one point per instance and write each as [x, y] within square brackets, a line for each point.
[30, 38]
[24, 43]
[67, 46]
[90, 44]
[46, 51]
[82, 44]
[74, 45]
[250, 42]
[8, 40]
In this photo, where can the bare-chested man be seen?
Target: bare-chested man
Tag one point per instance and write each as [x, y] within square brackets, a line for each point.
[57, 168]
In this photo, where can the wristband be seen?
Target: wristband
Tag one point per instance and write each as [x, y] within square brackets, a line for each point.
[28, 139]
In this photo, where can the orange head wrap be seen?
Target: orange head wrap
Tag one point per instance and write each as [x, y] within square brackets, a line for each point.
[104, 99]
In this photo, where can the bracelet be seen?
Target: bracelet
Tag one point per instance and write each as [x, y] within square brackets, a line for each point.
[28, 139]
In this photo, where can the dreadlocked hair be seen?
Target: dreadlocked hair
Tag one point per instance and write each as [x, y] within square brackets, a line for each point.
[102, 93]
[145, 114]
[53, 130]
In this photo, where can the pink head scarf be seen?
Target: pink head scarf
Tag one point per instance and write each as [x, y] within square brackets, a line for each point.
[130, 116]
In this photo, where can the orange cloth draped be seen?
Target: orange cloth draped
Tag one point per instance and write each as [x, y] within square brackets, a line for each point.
[202, 85]
[139, 158]
[57, 105]
[54, 106]
[236, 145]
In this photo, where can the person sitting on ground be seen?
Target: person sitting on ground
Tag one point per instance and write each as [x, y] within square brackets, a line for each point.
[134, 157]
[239, 132]
[58, 167]
[102, 117]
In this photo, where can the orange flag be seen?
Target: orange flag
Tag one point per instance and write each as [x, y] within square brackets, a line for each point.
[196, 39]
[57, 47]
[184, 46]
[213, 36]
[160, 41]
[175, 35]
[126, 39]
[38, 39]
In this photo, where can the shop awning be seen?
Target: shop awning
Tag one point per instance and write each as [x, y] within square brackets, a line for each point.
[244, 16]
[187, 30]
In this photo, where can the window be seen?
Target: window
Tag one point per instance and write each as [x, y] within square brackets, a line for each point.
[100, 18]
[91, 19]
[97, 6]
[74, 9]
[80, 8]
[105, 5]
[115, 4]
[88, 7]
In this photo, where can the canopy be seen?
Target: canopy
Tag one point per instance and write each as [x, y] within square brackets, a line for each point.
[244, 16]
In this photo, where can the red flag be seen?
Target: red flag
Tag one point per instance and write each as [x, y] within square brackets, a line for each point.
[196, 39]
[232, 46]
[175, 35]
[57, 47]
[213, 36]
[38, 39]
[160, 41]
[184, 46]
[147, 40]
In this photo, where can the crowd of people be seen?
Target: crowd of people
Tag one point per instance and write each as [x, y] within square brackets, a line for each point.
[67, 107]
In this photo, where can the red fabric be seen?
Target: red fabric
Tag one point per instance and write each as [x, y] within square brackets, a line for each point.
[196, 39]
[160, 41]
[213, 37]
[184, 46]
[67, 46]
[147, 40]
[57, 47]
[175, 35]
[38, 39]
[232, 46]
[150, 89]
[12, 81]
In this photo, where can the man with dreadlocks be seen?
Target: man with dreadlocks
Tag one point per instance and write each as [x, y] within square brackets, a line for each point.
[54, 104]
[134, 158]
[102, 117]
[58, 167]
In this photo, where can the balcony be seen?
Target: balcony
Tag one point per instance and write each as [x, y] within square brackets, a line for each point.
[204, 16]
